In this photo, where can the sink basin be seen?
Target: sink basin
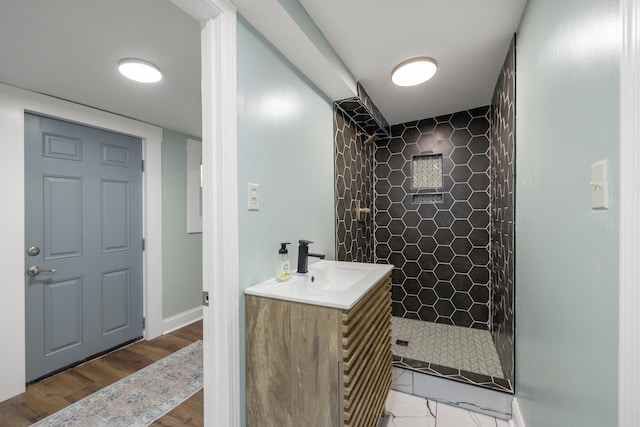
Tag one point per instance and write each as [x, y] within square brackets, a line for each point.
[338, 278]
[328, 283]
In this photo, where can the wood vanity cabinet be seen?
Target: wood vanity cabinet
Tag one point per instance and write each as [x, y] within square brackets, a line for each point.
[309, 365]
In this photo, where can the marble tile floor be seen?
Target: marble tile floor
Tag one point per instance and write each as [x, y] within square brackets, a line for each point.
[467, 349]
[405, 410]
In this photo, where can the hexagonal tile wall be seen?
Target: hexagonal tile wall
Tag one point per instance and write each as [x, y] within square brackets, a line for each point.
[353, 182]
[502, 212]
[440, 250]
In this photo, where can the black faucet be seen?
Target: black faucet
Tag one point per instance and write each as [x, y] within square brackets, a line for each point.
[303, 256]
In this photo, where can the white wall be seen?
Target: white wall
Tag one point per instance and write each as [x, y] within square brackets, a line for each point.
[285, 144]
[567, 107]
[13, 103]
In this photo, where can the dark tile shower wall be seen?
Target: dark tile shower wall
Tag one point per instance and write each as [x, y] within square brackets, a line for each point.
[441, 251]
[364, 113]
[354, 181]
[502, 212]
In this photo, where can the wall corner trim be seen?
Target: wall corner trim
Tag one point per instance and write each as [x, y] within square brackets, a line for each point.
[220, 237]
[200, 10]
[517, 420]
[629, 293]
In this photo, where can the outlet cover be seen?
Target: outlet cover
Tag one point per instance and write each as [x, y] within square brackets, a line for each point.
[253, 197]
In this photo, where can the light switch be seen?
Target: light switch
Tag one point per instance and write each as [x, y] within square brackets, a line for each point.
[253, 197]
[599, 186]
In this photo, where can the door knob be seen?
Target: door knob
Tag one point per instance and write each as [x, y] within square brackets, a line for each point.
[34, 270]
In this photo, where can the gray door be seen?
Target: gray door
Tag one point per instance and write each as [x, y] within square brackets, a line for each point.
[83, 242]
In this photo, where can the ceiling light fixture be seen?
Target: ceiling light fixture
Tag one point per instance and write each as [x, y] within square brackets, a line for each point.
[139, 70]
[414, 71]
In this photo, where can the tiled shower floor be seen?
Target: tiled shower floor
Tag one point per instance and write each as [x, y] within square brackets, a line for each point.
[453, 346]
[433, 345]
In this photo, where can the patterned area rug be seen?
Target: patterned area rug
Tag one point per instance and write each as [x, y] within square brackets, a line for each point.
[139, 399]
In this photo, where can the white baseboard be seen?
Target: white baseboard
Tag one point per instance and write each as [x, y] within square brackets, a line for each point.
[180, 320]
[517, 420]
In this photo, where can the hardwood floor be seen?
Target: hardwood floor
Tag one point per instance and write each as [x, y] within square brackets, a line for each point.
[54, 393]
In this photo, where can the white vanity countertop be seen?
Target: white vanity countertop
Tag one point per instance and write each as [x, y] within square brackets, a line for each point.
[336, 284]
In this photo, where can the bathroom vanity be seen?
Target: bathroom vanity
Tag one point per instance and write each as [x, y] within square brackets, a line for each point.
[319, 347]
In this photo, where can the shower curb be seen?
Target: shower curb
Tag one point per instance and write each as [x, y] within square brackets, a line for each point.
[470, 397]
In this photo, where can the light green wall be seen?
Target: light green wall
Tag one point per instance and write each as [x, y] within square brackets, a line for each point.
[181, 252]
[285, 144]
[566, 253]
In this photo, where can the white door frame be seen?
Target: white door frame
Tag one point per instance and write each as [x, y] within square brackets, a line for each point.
[629, 306]
[13, 104]
[220, 275]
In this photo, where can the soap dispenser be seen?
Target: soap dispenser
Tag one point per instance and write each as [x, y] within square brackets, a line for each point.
[283, 265]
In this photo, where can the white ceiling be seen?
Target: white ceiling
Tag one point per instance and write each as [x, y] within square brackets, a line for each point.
[468, 38]
[70, 49]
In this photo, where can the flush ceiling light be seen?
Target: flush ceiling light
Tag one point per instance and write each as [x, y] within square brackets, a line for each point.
[139, 70]
[414, 71]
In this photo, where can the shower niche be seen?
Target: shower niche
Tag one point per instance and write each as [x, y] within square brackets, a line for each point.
[426, 171]
[441, 192]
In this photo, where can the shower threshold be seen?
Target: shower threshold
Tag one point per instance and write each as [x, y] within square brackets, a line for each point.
[452, 352]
